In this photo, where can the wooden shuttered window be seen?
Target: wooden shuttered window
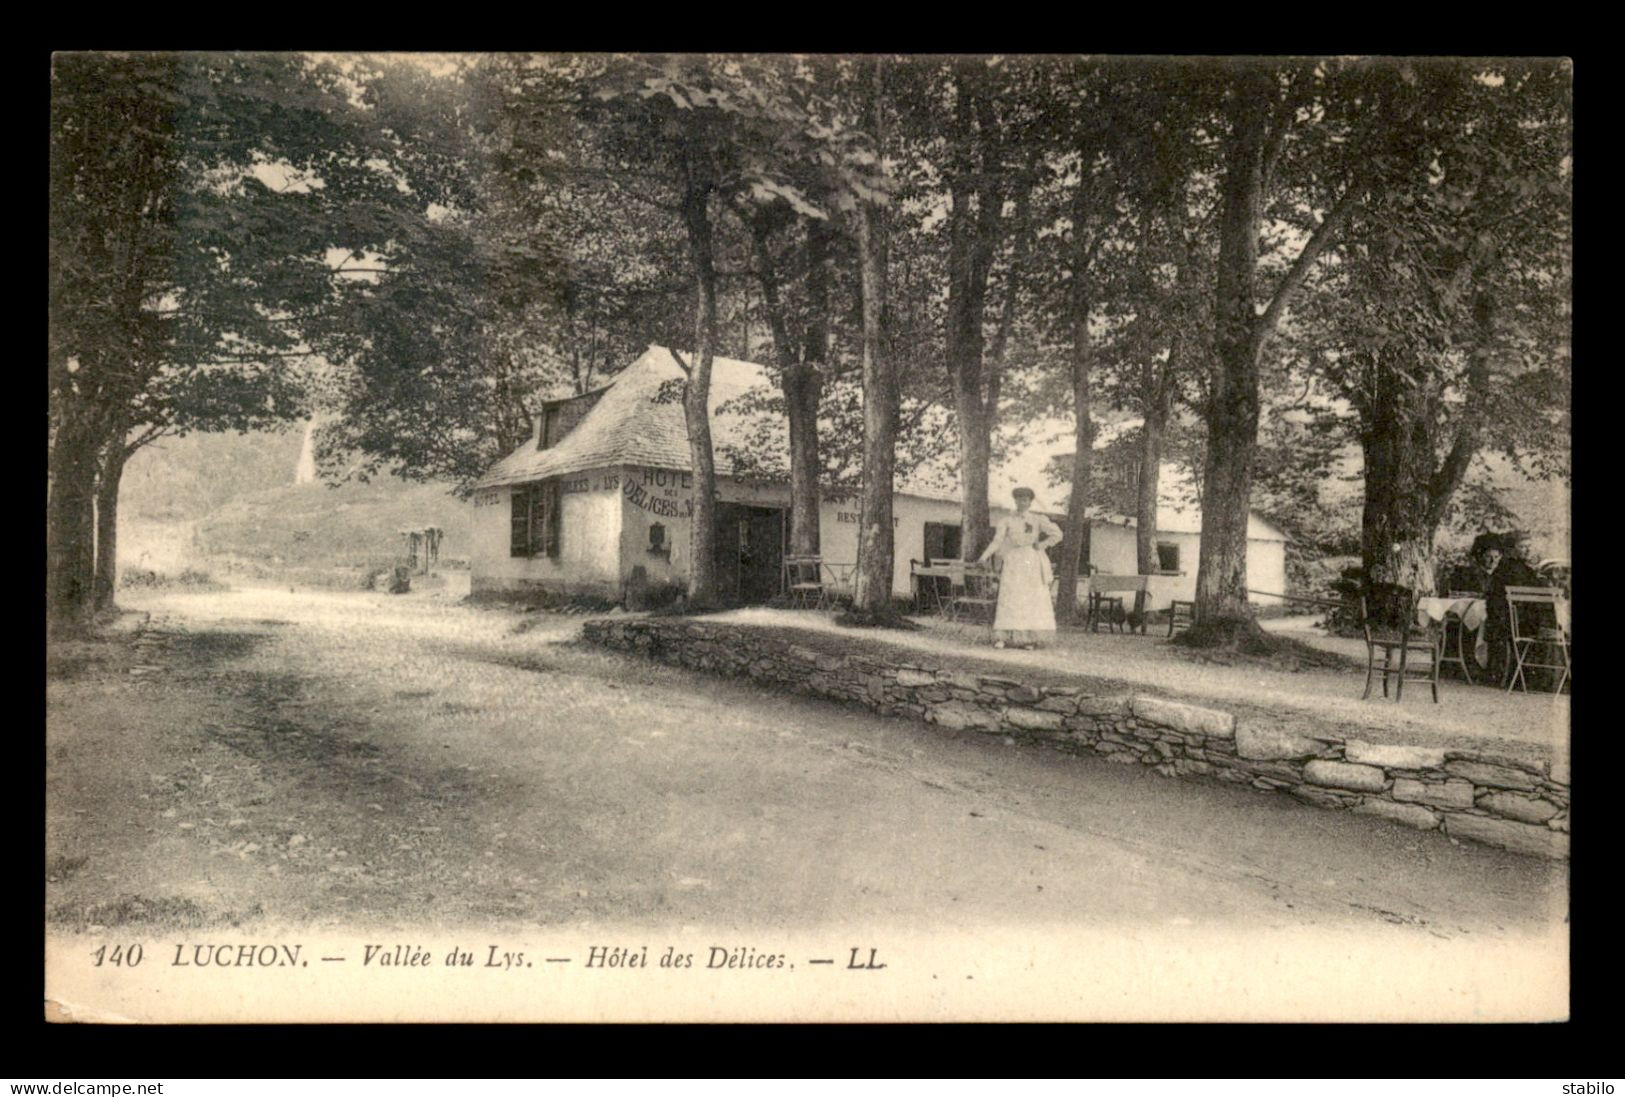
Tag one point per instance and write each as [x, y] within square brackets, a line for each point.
[548, 524]
[519, 525]
[535, 528]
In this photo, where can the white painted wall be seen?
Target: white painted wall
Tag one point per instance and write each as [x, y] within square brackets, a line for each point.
[1112, 550]
[1266, 570]
[838, 532]
[589, 543]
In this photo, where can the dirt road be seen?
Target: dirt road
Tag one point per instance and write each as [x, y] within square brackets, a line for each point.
[266, 758]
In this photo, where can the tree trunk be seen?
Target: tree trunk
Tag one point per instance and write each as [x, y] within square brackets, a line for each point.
[107, 493]
[1145, 503]
[702, 564]
[70, 526]
[799, 376]
[1075, 537]
[801, 399]
[1397, 528]
[1406, 495]
[872, 582]
[1232, 412]
[975, 452]
[970, 248]
[801, 384]
[1161, 387]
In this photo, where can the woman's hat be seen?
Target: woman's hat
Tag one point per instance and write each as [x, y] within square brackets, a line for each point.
[1485, 542]
[1023, 493]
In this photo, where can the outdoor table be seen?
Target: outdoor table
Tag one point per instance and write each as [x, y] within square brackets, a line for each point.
[1472, 613]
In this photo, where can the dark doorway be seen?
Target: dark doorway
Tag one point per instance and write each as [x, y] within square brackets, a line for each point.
[750, 552]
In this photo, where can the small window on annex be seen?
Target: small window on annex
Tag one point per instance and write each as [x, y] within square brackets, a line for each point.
[942, 541]
[536, 525]
[551, 420]
[1167, 556]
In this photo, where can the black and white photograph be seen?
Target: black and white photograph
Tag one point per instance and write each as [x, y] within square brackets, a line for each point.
[779, 537]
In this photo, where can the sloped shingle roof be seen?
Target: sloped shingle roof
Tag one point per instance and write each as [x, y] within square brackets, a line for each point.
[634, 424]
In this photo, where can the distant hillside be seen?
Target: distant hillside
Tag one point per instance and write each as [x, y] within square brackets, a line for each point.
[213, 500]
[344, 526]
[181, 478]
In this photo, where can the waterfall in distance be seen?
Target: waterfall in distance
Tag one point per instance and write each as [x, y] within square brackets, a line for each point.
[305, 471]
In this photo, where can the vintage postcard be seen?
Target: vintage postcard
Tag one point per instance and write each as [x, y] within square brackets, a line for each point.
[774, 537]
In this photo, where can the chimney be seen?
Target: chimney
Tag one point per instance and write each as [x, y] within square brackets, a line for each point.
[536, 428]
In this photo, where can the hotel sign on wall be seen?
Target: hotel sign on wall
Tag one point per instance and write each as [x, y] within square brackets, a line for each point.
[661, 492]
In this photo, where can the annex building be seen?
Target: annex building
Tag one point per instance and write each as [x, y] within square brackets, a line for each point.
[599, 502]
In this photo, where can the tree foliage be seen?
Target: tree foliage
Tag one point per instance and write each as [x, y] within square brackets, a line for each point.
[1263, 261]
[196, 202]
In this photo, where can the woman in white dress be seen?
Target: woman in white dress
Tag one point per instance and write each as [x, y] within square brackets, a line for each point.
[1026, 616]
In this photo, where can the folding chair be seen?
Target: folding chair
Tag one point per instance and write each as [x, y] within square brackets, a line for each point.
[975, 592]
[1530, 633]
[1388, 620]
[804, 581]
[838, 583]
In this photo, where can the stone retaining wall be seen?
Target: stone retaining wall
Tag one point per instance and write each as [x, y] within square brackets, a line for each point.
[1506, 802]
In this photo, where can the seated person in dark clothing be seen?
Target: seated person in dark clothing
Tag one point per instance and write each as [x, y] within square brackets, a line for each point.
[1506, 569]
[1474, 574]
[1466, 578]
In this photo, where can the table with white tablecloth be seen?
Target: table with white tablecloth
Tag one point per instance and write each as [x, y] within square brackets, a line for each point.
[1472, 612]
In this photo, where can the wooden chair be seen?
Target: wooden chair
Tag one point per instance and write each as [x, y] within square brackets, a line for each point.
[1181, 615]
[1107, 606]
[804, 581]
[1388, 620]
[1104, 603]
[1531, 632]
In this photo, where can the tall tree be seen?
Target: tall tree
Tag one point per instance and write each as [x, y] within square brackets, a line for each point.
[1445, 329]
[194, 204]
[1100, 119]
[1172, 312]
[976, 193]
[801, 362]
[1263, 101]
[872, 582]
